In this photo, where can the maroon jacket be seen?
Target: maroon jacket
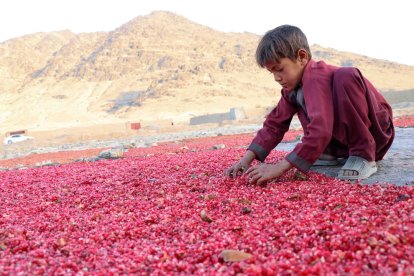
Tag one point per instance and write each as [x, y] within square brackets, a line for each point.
[318, 120]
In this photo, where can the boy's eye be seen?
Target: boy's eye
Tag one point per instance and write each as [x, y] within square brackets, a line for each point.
[272, 71]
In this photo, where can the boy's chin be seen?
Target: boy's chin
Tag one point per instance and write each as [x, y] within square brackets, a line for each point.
[290, 87]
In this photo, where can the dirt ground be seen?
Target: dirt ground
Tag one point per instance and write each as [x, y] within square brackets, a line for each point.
[402, 102]
[397, 167]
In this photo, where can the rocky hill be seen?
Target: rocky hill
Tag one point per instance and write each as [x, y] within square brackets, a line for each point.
[160, 67]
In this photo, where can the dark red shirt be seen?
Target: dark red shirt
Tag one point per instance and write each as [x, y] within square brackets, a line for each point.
[317, 119]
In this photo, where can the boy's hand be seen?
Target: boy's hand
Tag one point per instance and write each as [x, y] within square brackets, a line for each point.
[240, 167]
[261, 173]
[237, 169]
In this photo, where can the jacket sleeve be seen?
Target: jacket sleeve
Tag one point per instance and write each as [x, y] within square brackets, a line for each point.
[274, 127]
[318, 134]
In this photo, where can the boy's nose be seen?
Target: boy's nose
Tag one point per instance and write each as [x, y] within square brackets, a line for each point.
[277, 78]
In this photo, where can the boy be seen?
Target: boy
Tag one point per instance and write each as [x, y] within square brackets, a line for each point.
[342, 114]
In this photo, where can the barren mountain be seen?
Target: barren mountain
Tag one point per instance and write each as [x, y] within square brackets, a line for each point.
[156, 68]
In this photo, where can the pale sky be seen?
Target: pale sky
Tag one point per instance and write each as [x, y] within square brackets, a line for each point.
[378, 29]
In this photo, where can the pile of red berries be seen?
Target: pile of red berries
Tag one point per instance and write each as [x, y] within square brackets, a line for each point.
[404, 121]
[169, 209]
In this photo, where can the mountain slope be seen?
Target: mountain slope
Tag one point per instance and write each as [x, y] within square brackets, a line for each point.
[156, 67]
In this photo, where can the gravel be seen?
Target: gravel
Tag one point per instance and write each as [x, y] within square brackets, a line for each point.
[397, 166]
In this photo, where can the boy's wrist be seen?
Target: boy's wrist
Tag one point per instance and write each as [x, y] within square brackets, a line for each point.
[248, 157]
[284, 165]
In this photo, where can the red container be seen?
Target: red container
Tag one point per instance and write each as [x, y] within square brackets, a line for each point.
[135, 125]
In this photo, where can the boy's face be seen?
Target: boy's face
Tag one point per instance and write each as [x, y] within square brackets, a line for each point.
[286, 72]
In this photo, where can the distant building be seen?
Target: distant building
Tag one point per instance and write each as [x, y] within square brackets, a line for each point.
[233, 114]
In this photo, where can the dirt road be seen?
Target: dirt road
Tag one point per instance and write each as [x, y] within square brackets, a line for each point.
[397, 167]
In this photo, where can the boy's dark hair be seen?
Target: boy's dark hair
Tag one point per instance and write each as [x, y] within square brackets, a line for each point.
[281, 42]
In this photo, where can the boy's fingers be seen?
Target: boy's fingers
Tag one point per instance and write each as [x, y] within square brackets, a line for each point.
[250, 170]
[230, 172]
[235, 171]
[253, 178]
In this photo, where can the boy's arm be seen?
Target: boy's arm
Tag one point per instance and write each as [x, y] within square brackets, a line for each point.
[320, 111]
[274, 128]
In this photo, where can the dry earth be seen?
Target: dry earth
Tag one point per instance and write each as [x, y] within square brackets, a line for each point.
[403, 105]
[84, 90]
[395, 168]
[158, 69]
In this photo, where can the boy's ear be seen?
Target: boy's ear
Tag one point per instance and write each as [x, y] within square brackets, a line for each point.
[302, 56]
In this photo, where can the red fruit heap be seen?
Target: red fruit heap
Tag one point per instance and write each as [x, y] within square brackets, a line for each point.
[169, 209]
[404, 121]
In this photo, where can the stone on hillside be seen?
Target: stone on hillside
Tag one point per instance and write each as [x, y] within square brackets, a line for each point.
[219, 146]
[46, 163]
[112, 153]
[87, 159]
[130, 145]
